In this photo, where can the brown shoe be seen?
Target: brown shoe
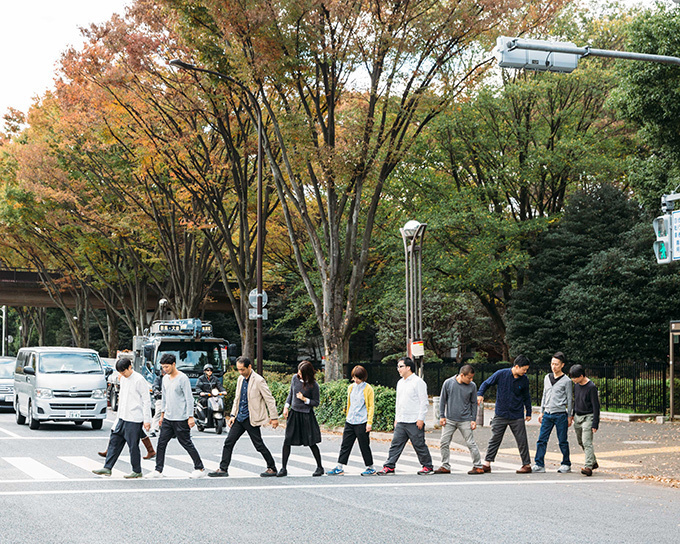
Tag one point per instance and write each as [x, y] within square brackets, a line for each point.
[150, 453]
[587, 471]
[595, 466]
[486, 468]
[442, 470]
[477, 470]
[102, 453]
[526, 469]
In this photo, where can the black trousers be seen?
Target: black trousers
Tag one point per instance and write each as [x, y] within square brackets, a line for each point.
[403, 432]
[519, 430]
[236, 432]
[125, 432]
[349, 435]
[180, 430]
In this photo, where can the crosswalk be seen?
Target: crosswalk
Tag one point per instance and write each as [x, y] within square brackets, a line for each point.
[79, 467]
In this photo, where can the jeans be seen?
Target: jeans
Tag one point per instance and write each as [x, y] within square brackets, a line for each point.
[519, 431]
[176, 429]
[583, 426]
[561, 423]
[403, 432]
[466, 431]
[125, 432]
[236, 431]
[350, 434]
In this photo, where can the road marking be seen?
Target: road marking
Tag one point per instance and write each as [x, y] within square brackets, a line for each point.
[580, 458]
[326, 486]
[89, 464]
[10, 433]
[212, 465]
[641, 451]
[34, 469]
[150, 465]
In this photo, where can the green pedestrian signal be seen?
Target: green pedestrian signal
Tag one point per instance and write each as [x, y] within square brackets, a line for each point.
[663, 249]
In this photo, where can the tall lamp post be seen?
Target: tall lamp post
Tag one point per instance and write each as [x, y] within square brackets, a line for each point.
[412, 233]
[260, 231]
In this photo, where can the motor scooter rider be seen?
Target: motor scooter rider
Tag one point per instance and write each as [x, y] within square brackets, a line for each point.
[204, 386]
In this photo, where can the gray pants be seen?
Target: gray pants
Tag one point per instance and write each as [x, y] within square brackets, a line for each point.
[403, 432]
[447, 433]
[519, 431]
[583, 426]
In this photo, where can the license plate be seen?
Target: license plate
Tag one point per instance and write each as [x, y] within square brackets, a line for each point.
[73, 414]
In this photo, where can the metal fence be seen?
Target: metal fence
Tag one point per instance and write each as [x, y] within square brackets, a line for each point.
[630, 387]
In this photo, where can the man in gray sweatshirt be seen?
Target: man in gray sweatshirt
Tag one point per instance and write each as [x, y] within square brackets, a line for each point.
[458, 410]
[556, 410]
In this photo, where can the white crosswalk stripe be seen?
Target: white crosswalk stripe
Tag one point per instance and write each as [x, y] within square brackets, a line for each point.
[34, 469]
[89, 464]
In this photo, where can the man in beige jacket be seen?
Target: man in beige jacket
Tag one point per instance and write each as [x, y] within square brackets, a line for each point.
[253, 406]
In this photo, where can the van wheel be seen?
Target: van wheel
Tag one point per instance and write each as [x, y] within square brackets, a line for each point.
[33, 423]
[97, 424]
[21, 420]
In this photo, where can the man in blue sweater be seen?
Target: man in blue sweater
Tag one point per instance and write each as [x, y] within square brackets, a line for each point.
[513, 399]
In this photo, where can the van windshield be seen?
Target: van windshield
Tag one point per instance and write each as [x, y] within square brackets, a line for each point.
[70, 363]
[6, 370]
[192, 355]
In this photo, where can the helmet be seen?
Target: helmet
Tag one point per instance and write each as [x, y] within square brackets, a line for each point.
[208, 367]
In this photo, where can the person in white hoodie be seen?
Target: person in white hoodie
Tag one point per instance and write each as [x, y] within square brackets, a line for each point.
[556, 411]
[134, 412]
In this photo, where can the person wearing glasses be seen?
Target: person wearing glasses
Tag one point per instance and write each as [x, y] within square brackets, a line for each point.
[409, 421]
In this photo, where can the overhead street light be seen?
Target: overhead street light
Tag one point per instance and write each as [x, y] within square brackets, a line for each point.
[260, 230]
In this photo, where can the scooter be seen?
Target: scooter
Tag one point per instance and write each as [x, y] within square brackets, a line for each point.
[213, 415]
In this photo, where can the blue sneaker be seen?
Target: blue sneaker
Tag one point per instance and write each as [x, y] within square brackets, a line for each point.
[369, 472]
[337, 471]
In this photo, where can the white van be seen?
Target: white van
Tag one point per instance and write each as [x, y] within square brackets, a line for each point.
[59, 384]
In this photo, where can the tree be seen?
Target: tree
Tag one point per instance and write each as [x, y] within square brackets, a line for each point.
[347, 87]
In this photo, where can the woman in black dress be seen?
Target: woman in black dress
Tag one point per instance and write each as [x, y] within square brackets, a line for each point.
[302, 428]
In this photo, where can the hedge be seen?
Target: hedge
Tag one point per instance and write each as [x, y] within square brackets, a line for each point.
[331, 410]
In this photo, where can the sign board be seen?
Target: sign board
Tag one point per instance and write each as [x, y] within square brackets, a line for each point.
[252, 298]
[417, 348]
[252, 313]
[675, 233]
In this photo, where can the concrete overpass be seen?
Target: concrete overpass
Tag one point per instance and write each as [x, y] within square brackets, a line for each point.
[21, 287]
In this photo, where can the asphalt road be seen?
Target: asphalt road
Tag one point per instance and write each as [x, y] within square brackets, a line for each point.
[47, 494]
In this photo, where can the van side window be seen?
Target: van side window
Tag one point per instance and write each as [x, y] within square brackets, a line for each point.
[21, 359]
[33, 361]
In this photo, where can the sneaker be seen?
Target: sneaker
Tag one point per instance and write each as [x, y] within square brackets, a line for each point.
[197, 473]
[385, 471]
[318, 471]
[442, 470]
[369, 472]
[587, 471]
[426, 471]
[537, 468]
[476, 470]
[337, 471]
[219, 473]
[564, 469]
[155, 474]
[282, 473]
[102, 471]
[133, 475]
[269, 473]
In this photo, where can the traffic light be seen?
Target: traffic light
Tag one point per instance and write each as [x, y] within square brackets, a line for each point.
[663, 248]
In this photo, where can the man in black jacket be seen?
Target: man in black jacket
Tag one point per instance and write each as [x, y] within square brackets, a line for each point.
[204, 386]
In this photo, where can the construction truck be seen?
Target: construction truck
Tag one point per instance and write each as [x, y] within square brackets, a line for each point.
[192, 343]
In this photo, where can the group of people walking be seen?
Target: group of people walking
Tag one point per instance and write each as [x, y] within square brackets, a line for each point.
[254, 406]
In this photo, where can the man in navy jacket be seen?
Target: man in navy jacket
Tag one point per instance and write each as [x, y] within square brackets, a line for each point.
[513, 399]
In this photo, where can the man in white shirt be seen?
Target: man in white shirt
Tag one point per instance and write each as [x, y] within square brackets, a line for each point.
[409, 422]
[134, 412]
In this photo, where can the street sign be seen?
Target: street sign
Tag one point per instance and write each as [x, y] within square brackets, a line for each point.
[675, 235]
[252, 298]
[252, 313]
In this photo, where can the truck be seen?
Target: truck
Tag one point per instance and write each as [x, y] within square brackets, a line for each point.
[192, 343]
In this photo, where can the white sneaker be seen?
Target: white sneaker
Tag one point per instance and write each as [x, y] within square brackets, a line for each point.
[197, 474]
[537, 468]
[155, 474]
[564, 469]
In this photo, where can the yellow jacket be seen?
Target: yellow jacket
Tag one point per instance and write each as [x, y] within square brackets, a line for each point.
[369, 398]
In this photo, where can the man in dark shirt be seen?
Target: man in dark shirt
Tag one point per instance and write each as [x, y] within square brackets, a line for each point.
[204, 386]
[586, 415]
[513, 398]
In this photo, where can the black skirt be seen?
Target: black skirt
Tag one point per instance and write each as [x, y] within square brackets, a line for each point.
[302, 429]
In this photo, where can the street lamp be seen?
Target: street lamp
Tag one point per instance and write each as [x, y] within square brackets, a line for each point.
[412, 233]
[260, 230]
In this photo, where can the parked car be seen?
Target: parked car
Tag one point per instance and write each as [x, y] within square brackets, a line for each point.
[7, 380]
[59, 384]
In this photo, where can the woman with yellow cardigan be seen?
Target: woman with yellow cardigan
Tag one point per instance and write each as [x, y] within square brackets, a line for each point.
[360, 408]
